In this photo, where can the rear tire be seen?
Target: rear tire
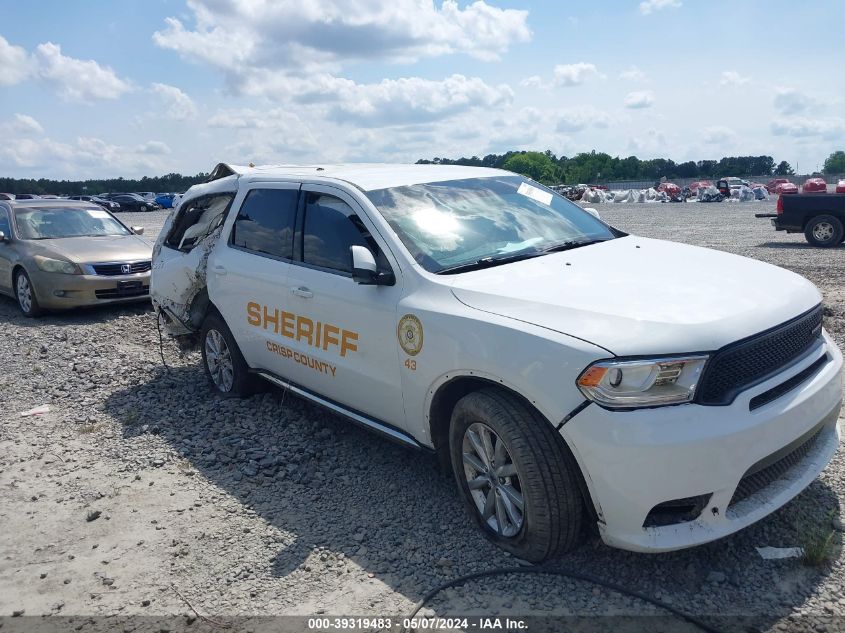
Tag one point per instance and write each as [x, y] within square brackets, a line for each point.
[505, 455]
[25, 294]
[824, 231]
[225, 367]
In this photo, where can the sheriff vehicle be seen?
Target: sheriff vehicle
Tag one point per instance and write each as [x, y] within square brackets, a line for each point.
[568, 372]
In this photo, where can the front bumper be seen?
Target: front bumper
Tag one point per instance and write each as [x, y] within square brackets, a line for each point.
[56, 291]
[636, 460]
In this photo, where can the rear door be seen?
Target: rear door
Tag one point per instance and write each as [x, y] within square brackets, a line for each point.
[342, 334]
[248, 271]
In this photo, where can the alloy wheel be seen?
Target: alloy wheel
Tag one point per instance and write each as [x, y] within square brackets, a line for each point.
[24, 293]
[218, 359]
[493, 480]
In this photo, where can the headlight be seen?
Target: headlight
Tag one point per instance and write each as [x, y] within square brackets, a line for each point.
[652, 382]
[56, 265]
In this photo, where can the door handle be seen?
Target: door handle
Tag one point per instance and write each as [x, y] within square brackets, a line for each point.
[302, 291]
[219, 270]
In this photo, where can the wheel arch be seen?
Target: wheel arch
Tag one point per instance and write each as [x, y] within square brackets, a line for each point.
[443, 397]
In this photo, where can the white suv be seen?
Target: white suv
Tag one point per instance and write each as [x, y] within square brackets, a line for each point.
[568, 372]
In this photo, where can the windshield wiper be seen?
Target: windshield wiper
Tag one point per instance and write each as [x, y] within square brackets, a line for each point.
[486, 262]
[489, 262]
[565, 246]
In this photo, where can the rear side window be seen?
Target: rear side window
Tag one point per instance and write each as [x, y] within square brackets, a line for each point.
[197, 219]
[331, 227]
[265, 222]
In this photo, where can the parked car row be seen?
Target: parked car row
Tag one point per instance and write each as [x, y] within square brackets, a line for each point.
[141, 201]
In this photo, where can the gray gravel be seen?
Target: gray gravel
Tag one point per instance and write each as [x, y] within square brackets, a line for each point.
[273, 506]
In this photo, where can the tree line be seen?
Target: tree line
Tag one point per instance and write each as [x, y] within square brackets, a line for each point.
[589, 167]
[545, 167]
[171, 183]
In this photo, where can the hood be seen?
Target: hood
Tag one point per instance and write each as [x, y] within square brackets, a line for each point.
[638, 296]
[86, 250]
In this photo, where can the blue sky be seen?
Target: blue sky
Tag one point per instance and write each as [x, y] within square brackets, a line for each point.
[101, 88]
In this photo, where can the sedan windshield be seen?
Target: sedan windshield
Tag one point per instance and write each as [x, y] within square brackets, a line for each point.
[463, 224]
[54, 222]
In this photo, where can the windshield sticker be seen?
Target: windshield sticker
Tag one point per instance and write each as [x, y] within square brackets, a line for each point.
[543, 197]
[98, 213]
[410, 333]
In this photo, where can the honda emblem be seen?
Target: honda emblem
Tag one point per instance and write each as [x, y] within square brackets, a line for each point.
[126, 268]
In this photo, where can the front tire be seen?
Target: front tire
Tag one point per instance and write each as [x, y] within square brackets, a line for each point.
[225, 367]
[824, 231]
[517, 477]
[25, 294]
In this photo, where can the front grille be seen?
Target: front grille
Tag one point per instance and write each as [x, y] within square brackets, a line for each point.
[764, 473]
[117, 293]
[677, 511]
[750, 361]
[117, 269]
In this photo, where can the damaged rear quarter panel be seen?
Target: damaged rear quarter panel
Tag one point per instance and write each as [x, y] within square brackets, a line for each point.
[179, 276]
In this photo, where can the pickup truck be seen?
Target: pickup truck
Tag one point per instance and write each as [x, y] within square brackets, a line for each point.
[564, 371]
[819, 216]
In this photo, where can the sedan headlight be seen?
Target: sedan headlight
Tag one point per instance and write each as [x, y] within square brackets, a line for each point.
[56, 266]
[652, 382]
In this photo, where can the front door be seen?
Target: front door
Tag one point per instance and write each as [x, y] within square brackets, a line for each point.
[344, 333]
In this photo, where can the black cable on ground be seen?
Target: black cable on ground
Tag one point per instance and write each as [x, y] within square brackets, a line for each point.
[565, 574]
[161, 342]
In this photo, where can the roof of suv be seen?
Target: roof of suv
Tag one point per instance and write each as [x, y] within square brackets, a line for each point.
[366, 176]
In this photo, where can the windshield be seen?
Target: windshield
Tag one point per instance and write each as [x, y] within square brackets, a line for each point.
[48, 223]
[446, 225]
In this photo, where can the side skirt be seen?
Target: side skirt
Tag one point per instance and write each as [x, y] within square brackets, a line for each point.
[382, 428]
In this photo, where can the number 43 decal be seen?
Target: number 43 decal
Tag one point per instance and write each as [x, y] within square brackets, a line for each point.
[411, 364]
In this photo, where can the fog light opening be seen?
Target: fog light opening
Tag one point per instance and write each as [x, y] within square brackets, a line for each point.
[59, 293]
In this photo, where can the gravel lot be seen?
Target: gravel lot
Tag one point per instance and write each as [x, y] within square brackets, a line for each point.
[138, 486]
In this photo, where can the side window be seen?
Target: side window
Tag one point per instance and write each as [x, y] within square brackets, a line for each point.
[330, 228]
[4, 223]
[265, 222]
[197, 219]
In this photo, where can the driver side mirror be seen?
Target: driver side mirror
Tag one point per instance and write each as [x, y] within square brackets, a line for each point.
[364, 268]
[137, 230]
[592, 212]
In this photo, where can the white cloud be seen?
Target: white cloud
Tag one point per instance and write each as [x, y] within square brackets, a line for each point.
[792, 101]
[800, 127]
[415, 100]
[733, 78]
[85, 157]
[178, 105]
[573, 74]
[577, 119]
[718, 135]
[534, 81]
[639, 99]
[23, 124]
[401, 101]
[649, 6]
[76, 79]
[633, 74]
[296, 35]
[15, 64]
[156, 148]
